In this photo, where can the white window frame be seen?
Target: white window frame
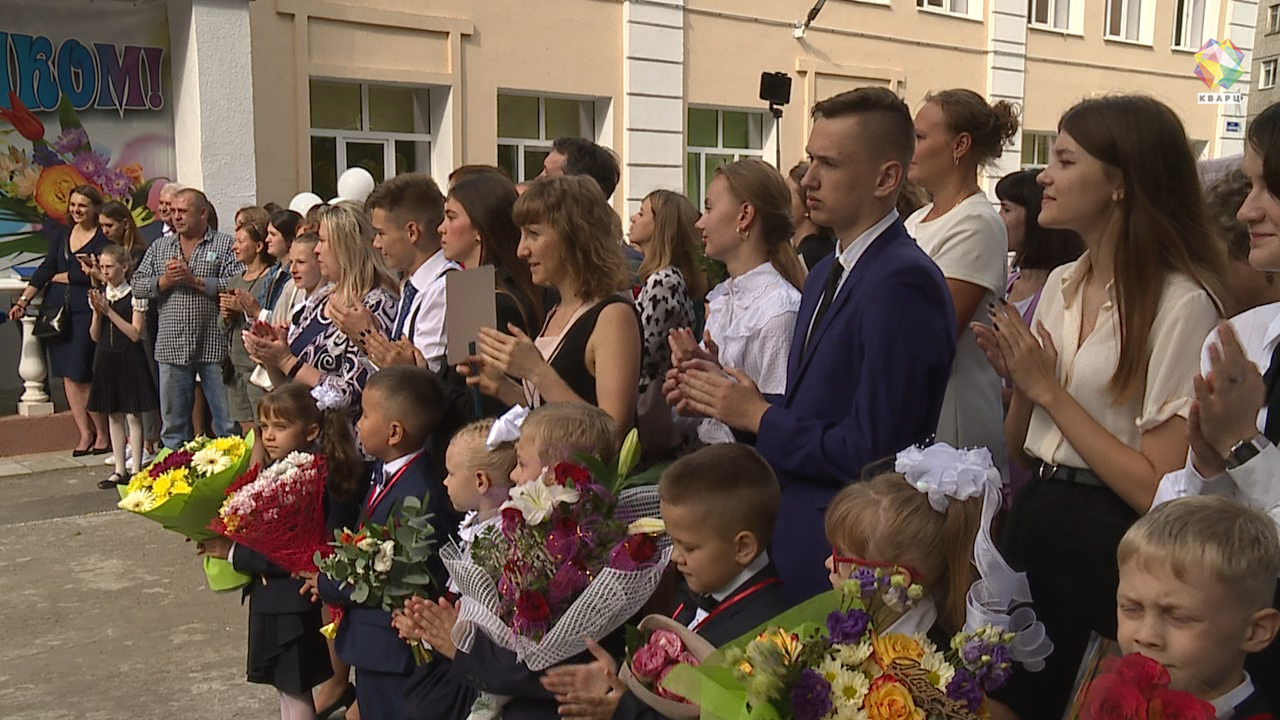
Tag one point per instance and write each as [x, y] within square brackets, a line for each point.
[1267, 74]
[588, 117]
[1188, 23]
[386, 139]
[1059, 14]
[766, 129]
[1036, 138]
[960, 8]
[1273, 19]
[1128, 25]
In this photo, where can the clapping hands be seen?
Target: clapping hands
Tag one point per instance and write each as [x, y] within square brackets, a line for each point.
[427, 621]
[1031, 365]
[590, 690]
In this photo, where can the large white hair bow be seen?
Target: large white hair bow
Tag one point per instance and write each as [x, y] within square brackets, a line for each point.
[326, 397]
[1000, 597]
[507, 427]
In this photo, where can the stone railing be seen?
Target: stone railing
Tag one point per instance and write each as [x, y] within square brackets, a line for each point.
[31, 364]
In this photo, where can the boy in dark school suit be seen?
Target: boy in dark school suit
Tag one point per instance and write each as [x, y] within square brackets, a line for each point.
[720, 505]
[401, 407]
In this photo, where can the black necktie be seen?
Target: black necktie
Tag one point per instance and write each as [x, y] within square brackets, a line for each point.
[1271, 380]
[828, 294]
[704, 602]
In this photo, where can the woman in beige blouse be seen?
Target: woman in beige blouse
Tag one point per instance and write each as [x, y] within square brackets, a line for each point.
[1103, 381]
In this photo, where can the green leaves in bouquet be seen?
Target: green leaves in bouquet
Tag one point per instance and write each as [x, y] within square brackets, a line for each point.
[618, 478]
[635, 639]
[412, 538]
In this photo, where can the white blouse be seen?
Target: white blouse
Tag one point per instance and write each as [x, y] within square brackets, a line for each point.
[1184, 317]
[752, 318]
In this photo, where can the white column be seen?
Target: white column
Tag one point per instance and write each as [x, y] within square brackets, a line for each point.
[213, 108]
[1242, 15]
[1006, 76]
[31, 368]
[653, 102]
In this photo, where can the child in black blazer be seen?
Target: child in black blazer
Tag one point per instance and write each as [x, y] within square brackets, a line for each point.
[720, 505]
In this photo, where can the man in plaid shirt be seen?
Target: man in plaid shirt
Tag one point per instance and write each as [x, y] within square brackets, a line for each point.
[183, 273]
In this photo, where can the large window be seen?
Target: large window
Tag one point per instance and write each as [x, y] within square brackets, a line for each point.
[1273, 19]
[957, 7]
[385, 129]
[528, 124]
[718, 137]
[1037, 149]
[1049, 13]
[1188, 24]
[1124, 18]
[1268, 79]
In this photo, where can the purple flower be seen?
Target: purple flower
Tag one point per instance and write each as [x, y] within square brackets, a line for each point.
[92, 165]
[847, 628]
[996, 673]
[964, 688]
[70, 140]
[44, 156]
[811, 696]
[568, 582]
[866, 578]
[562, 541]
[115, 184]
[633, 553]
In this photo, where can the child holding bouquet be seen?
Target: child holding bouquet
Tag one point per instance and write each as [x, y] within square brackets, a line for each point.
[123, 388]
[720, 504]
[1197, 578]
[286, 648]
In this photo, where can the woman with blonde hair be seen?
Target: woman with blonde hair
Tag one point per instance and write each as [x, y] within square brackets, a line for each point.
[747, 225]
[589, 347]
[314, 350]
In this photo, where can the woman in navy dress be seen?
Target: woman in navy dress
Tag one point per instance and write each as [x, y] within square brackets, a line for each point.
[68, 283]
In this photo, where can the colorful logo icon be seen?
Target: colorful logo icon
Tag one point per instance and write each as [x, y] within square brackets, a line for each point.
[1219, 63]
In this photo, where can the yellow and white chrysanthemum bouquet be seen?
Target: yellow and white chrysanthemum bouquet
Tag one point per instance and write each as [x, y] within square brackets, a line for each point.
[183, 490]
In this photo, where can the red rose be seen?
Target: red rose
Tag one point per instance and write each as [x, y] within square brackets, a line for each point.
[1143, 673]
[564, 472]
[633, 552]
[512, 521]
[532, 607]
[1111, 698]
[1177, 705]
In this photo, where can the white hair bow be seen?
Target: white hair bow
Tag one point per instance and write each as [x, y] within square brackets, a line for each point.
[1000, 597]
[507, 427]
[326, 397]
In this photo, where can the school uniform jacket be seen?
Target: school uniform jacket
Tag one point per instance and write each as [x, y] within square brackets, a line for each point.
[1254, 707]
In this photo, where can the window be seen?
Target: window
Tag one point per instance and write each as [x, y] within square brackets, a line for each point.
[1188, 24]
[527, 125]
[1123, 18]
[1037, 149]
[1049, 13]
[1268, 79]
[959, 7]
[719, 137]
[385, 129]
[1273, 19]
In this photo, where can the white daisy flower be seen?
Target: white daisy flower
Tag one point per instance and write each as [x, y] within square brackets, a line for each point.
[853, 655]
[940, 671]
[849, 688]
[209, 461]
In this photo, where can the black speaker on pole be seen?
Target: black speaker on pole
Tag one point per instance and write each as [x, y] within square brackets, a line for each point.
[775, 89]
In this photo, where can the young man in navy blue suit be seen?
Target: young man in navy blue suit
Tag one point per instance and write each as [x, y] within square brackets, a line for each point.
[401, 407]
[874, 338]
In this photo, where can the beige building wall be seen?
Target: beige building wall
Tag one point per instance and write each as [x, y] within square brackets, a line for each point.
[647, 61]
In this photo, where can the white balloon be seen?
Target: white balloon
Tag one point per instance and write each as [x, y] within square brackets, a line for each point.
[355, 184]
[303, 202]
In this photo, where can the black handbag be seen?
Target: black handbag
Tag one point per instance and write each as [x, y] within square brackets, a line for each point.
[52, 323]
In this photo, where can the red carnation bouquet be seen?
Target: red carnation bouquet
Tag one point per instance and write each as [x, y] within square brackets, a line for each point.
[1130, 687]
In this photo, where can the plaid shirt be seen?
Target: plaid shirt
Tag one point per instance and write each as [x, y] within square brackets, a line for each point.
[188, 333]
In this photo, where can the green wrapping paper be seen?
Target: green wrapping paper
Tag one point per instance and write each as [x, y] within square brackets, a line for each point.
[189, 515]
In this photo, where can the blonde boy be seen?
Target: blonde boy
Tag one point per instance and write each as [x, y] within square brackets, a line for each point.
[1197, 579]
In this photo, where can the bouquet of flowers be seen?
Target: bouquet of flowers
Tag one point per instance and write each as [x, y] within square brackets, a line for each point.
[279, 512]
[184, 490]
[667, 644]
[838, 657]
[1129, 687]
[574, 557]
[384, 565]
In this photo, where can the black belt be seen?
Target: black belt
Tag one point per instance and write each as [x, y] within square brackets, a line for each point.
[1062, 473]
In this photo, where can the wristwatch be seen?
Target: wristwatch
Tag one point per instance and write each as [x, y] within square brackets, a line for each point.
[1246, 450]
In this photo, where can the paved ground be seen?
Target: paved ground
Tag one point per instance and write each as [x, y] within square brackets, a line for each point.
[106, 616]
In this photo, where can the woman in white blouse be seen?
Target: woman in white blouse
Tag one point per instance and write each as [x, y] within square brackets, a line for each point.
[746, 224]
[957, 133]
[1102, 386]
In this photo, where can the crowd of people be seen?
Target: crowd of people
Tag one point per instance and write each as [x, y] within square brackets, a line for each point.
[775, 348]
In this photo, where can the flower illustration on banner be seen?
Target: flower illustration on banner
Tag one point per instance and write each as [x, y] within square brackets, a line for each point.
[35, 187]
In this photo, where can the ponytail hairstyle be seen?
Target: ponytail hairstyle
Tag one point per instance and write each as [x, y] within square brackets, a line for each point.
[292, 403]
[497, 462]
[887, 520]
[989, 126]
[760, 185]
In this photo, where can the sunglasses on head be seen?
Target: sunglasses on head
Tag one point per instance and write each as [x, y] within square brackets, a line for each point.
[844, 566]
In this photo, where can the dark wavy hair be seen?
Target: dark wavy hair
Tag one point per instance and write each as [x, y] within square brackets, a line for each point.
[489, 197]
[1042, 248]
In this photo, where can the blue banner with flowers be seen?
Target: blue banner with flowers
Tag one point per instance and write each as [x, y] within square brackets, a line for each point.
[85, 99]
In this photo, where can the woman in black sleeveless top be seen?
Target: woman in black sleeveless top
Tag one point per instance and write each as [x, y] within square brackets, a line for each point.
[589, 347]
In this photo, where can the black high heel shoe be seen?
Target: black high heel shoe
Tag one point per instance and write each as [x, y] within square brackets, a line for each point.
[345, 700]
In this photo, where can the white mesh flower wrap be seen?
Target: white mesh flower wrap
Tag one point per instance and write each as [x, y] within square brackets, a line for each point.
[610, 598]
[1000, 597]
[507, 427]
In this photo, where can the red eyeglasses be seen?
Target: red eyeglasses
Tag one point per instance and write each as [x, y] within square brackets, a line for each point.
[844, 565]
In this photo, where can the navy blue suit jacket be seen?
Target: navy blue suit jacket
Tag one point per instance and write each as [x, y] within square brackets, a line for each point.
[366, 638]
[870, 384]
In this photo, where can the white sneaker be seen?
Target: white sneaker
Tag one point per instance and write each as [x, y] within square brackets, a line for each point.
[147, 457]
[111, 460]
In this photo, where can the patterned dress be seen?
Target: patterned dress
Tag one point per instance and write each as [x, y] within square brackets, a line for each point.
[317, 341]
[664, 305]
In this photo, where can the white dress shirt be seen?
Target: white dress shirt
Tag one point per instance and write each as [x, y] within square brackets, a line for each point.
[1225, 706]
[427, 313]
[849, 256]
[755, 566]
[1255, 481]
